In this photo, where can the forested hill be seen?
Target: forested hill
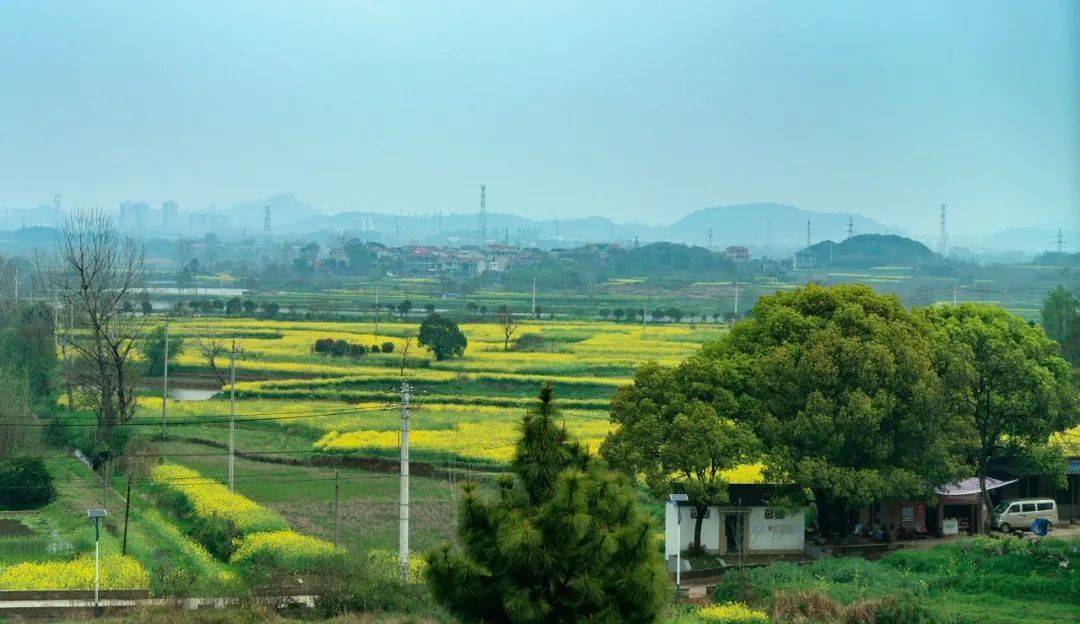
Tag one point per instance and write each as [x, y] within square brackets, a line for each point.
[593, 264]
[868, 250]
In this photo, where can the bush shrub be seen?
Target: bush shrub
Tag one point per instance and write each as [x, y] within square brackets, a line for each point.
[387, 347]
[529, 342]
[25, 482]
[341, 348]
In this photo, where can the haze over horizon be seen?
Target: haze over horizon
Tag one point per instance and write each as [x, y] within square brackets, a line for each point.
[638, 113]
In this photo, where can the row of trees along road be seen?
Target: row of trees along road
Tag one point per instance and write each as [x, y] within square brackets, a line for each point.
[846, 395]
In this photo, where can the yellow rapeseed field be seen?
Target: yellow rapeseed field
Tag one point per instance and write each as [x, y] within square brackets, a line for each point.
[283, 549]
[465, 407]
[210, 499]
[117, 572]
[731, 613]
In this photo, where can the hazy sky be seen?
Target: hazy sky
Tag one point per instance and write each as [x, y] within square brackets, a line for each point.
[635, 111]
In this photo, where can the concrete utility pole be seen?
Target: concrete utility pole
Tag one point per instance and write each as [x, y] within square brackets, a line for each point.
[403, 485]
[232, 411]
[954, 288]
[336, 494]
[736, 299]
[376, 311]
[165, 381]
[534, 297]
[645, 306]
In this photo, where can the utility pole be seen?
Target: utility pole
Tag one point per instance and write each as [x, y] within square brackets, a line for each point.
[165, 380]
[127, 510]
[943, 235]
[954, 288]
[645, 306]
[808, 233]
[232, 411]
[376, 311]
[534, 297]
[483, 216]
[336, 494]
[736, 299]
[403, 485]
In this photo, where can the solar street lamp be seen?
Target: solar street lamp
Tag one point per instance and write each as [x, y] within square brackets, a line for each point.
[675, 500]
[96, 515]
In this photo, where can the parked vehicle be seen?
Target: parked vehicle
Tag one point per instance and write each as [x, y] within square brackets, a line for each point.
[1018, 514]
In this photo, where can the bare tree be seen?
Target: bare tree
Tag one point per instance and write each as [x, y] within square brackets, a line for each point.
[213, 350]
[405, 353]
[508, 324]
[100, 272]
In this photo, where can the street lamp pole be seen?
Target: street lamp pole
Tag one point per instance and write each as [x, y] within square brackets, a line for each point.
[96, 515]
[675, 499]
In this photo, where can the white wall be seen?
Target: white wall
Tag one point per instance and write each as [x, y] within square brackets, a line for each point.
[766, 534]
[787, 533]
[710, 530]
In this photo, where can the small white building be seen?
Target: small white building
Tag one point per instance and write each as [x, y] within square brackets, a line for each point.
[745, 525]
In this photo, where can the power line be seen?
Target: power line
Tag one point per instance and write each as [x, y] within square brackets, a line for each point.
[155, 423]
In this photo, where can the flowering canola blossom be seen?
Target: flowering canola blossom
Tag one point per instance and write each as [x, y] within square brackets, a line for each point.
[117, 572]
[732, 613]
[284, 549]
[209, 498]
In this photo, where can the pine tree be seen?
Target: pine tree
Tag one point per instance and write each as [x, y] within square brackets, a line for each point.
[562, 540]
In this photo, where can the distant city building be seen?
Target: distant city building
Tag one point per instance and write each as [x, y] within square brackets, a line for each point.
[169, 213]
[135, 215]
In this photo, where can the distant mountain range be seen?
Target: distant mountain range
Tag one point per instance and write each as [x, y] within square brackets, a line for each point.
[764, 227]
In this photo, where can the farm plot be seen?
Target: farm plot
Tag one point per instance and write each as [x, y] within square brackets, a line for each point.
[463, 409]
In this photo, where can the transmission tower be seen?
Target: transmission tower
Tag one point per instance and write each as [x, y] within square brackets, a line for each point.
[1060, 242]
[266, 223]
[710, 238]
[483, 215]
[808, 233]
[850, 227]
[943, 236]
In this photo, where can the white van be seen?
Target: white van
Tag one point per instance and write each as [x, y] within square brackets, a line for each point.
[1018, 514]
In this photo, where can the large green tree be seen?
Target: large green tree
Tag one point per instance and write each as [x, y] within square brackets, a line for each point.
[849, 404]
[1006, 382]
[442, 337]
[1060, 308]
[153, 347]
[839, 386]
[561, 540]
[1061, 319]
[28, 347]
[678, 428]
